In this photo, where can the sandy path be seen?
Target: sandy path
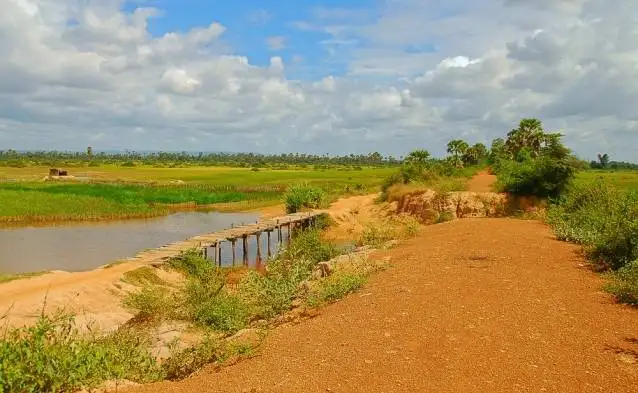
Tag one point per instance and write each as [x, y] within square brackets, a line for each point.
[475, 305]
[482, 182]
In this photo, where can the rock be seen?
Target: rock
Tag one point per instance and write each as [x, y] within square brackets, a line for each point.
[251, 337]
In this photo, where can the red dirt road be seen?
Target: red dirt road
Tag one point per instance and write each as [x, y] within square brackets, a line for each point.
[482, 182]
[475, 305]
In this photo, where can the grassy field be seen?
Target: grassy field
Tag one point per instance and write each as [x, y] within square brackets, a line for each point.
[116, 192]
[622, 179]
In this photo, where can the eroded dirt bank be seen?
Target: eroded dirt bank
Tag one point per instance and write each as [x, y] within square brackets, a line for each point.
[475, 305]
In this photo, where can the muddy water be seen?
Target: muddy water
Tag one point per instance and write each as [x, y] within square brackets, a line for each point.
[88, 246]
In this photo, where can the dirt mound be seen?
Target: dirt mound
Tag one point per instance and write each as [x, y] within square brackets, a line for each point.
[429, 205]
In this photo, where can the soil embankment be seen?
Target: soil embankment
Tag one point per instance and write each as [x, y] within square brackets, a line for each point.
[94, 296]
[475, 305]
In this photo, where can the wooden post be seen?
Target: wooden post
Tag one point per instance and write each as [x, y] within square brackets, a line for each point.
[205, 252]
[269, 250]
[289, 232]
[258, 258]
[232, 242]
[245, 244]
[219, 254]
[215, 253]
[279, 233]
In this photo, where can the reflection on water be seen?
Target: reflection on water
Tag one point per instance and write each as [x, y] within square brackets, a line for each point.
[87, 246]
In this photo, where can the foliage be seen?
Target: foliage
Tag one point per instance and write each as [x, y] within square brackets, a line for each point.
[532, 162]
[335, 287]
[182, 364]
[543, 177]
[144, 192]
[602, 218]
[272, 293]
[428, 173]
[303, 197]
[624, 284]
[246, 160]
[51, 356]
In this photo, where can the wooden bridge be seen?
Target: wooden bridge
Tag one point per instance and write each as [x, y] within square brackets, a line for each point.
[233, 236]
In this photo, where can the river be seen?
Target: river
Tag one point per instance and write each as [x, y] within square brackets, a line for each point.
[80, 247]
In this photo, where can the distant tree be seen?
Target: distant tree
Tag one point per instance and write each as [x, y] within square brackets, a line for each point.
[418, 157]
[603, 159]
[474, 154]
[529, 136]
[457, 148]
[89, 152]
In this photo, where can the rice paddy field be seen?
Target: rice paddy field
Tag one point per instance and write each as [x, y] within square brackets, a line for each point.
[110, 192]
[627, 179]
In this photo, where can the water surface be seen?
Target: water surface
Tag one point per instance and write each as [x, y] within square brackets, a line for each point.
[81, 247]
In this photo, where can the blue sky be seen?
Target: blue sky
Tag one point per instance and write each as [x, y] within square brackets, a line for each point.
[323, 76]
[250, 23]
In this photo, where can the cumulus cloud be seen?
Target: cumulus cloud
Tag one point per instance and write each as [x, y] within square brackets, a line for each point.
[78, 72]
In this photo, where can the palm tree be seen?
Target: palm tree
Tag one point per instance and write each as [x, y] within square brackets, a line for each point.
[529, 135]
[457, 147]
[419, 157]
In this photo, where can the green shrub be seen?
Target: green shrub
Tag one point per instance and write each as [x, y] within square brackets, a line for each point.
[223, 312]
[308, 246]
[51, 356]
[151, 302]
[300, 197]
[335, 287]
[543, 177]
[624, 284]
[182, 364]
[602, 218]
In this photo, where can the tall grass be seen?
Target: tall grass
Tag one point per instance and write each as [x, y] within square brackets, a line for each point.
[52, 356]
[604, 220]
[57, 202]
[301, 197]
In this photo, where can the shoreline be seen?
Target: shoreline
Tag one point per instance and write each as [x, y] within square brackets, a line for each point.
[95, 295]
[52, 221]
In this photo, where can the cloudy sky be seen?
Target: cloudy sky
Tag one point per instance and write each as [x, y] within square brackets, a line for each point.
[321, 76]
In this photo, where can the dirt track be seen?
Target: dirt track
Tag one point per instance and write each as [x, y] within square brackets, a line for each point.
[482, 182]
[476, 305]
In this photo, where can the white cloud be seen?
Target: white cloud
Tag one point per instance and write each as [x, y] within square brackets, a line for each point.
[78, 72]
[276, 43]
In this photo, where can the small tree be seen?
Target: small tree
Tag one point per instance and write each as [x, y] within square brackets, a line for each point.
[529, 135]
[89, 152]
[603, 159]
[457, 148]
[418, 157]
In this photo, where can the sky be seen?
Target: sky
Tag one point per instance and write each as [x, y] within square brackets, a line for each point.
[316, 76]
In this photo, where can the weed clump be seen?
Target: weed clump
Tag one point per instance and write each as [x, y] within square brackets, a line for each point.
[604, 220]
[303, 197]
[51, 356]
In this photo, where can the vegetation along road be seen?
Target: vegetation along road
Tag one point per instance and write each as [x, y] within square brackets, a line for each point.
[512, 310]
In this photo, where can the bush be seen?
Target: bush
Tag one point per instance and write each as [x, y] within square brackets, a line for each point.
[51, 356]
[335, 287]
[300, 197]
[543, 177]
[601, 218]
[624, 284]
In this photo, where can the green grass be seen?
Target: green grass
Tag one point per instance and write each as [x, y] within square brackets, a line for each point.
[622, 179]
[603, 218]
[12, 277]
[52, 356]
[146, 192]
